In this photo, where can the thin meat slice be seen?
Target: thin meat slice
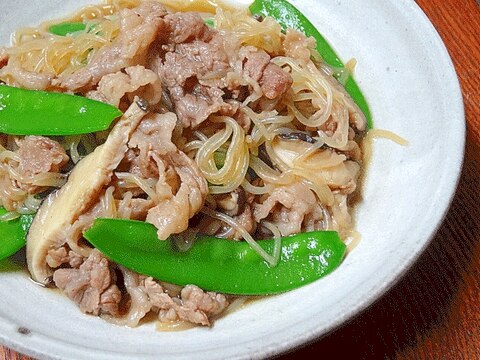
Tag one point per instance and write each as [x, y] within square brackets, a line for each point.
[275, 81]
[196, 107]
[36, 163]
[174, 210]
[153, 137]
[180, 189]
[90, 286]
[24, 78]
[191, 305]
[39, 154]
[185, 27]
[138, 29]
[135, 81]
[287, 207]
[154, 134]
[297, 46]
[192, 74]
[32, 168]
[255, 64]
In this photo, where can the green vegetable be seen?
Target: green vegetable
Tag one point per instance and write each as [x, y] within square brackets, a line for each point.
[288, 16]
[219, 157]
[231, 267]
[32, 112]
[13, 234]
[210, 22]
[66, 28]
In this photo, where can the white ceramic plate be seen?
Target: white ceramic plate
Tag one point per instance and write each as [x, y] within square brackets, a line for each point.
[409, 80]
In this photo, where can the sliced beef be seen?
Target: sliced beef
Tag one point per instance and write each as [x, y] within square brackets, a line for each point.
[275, 82]
[287, 207]
[40, 155]
[180, 189]
[185, 27]
[193, 305]
[61, 256]
[134, 209]
[154, 134]
[24, 78]
[138, 29]
[297, 46]
[28, 171]
[57, 257]
[184, 73]
[255, 64]
[90, 286]
[134, 81]
[172, 213]
[195, 107]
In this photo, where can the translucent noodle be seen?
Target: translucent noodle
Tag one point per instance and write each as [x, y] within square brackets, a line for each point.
[229, 176]
[266, 173]
[129, 180]
[264, 35]
[313, 81]
[109, 203]
[380, 134]
[245, 235]
[277, 236]
[49, 179]
[8, 155]
[174, 326]
[9, 216]
[30, 205]
[257, 190]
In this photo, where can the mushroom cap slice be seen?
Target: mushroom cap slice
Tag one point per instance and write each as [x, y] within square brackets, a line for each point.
[59, 211]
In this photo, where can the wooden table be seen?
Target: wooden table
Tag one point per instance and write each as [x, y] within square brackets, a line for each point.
[434, 312]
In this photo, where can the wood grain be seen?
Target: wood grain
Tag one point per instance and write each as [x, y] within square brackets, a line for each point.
[434, 312]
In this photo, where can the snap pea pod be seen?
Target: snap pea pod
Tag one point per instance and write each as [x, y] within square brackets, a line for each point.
[13, 234]
[66, 28]
[214, 264]
[32, 112]
[288, 16]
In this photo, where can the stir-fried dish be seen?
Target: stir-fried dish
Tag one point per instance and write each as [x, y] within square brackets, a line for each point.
[172, 162]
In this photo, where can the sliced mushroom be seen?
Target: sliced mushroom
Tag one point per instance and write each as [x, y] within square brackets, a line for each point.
[59, 211]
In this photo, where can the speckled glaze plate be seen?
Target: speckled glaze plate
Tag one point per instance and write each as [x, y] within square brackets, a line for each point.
[409, 80]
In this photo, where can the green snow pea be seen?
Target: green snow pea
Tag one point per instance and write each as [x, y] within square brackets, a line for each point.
[214, 264]
[66, 28]
[33, 112]
[13, 234]
[288, 16]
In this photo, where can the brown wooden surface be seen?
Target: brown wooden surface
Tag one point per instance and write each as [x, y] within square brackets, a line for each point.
[434, 312]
